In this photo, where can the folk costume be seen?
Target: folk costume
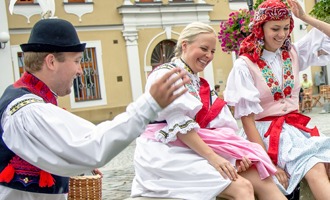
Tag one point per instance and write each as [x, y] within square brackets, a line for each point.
[267, 84]
[165, 167]
[42, 145]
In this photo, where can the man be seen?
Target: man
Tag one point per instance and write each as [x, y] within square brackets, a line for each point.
[41, 144]
[217, 89]
[306, 84]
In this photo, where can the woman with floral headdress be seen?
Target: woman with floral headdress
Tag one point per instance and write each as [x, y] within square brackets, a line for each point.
[264, 88]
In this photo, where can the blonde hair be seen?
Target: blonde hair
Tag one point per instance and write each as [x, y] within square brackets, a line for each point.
[189, 34]
[33, 61]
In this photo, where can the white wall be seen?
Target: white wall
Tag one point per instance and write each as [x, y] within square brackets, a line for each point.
[297, 35]
[6, 74]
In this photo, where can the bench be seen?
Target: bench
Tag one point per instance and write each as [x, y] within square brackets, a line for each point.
[305, 192]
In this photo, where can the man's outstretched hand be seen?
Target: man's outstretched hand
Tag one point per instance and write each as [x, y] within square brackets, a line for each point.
[162, 90]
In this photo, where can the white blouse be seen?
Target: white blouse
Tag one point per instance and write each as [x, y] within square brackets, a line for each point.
[184, 109]
[240, 90]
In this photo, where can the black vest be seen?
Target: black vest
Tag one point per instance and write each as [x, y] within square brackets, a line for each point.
[61, 183]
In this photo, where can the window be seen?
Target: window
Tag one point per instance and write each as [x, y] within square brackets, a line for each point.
[86, 86]
[75, 1]
[162, 53]
[21, 67]
[88, 90]
[25, 1]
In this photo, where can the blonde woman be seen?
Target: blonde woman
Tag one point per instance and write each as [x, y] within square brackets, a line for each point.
[191, 150]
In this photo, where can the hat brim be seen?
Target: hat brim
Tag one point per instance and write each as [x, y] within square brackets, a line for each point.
[52, 48]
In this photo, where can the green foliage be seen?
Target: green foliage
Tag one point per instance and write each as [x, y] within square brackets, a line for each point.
[321, 10]
[258, 2]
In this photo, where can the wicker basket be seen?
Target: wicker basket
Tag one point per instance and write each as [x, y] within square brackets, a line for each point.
[85, 188]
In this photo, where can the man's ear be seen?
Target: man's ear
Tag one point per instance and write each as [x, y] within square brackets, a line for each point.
[50, 62]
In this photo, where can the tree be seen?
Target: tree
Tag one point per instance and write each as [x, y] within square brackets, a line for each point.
[321, 10]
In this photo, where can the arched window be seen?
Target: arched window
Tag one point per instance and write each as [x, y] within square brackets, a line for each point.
[162, 53]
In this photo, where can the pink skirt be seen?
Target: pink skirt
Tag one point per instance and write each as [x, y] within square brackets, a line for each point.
[226, 143]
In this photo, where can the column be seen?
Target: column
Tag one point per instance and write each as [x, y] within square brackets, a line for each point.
[6, 75]
[131, 37]
[209, 74]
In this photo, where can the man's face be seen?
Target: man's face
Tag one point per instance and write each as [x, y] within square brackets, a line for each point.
[66, 72]
[305, 77]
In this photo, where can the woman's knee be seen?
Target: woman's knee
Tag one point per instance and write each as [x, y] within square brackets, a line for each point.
[316, 172]
[240, 189]
[245, 187]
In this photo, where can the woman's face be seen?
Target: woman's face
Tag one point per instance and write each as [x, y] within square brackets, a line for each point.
[199, 53]
[275, 33]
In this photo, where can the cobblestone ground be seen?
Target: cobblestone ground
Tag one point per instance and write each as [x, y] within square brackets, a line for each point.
[119, 173]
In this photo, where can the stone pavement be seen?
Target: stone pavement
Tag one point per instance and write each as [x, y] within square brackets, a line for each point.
[119, 172]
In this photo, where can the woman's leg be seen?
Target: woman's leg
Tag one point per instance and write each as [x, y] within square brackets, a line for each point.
[318, 181]
[265, 189]
[239, 189]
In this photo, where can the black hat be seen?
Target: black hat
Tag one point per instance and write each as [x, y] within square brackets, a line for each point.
[53, 35]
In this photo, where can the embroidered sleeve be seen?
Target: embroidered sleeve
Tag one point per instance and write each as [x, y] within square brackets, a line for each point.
[176, 122]
[309, 48]
[64, 144]
[179, 115]
[240, 91]
[23, 103]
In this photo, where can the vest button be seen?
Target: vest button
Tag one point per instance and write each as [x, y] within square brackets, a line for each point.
[284, 109]
[282, 101]
[26, 180]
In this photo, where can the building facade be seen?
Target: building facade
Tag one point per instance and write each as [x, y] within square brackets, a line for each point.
[125, 40]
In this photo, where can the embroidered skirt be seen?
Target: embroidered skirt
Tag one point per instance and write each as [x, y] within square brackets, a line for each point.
[298, 152]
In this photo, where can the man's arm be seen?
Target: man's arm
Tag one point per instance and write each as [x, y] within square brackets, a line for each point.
[64, 144]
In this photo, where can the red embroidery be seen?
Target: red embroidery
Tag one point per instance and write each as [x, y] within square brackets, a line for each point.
[37, 87]
[18, 165]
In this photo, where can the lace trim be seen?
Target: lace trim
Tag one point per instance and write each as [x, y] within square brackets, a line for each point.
[167, 135]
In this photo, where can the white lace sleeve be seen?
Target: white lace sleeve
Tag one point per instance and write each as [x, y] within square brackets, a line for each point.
[179, 115]
[308, 47]
[241, 92]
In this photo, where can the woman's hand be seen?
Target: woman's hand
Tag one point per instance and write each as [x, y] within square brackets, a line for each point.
[296, 9]
[243, 165]
[97, 171]
[223, 166]
[282, 177]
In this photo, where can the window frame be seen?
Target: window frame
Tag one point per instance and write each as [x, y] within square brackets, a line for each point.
[25, 2]
[76, 1]
[94, 102]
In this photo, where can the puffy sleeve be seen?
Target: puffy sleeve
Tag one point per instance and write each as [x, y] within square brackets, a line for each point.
[62, 143]
[308, 47]
[179, 115]
[240, 91]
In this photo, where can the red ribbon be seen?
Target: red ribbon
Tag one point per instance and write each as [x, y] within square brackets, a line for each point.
[207, 113]
[294, 119]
